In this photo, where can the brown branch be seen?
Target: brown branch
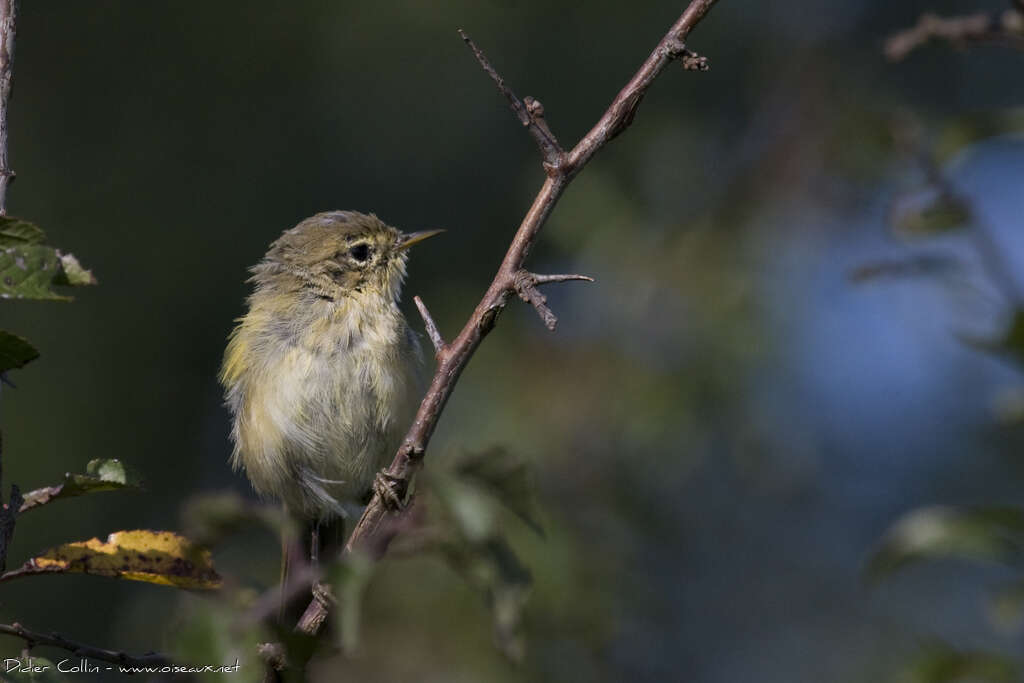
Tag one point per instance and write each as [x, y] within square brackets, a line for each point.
[377, 526]
[8, 25]
[1005, 29]
[435, 335]
[8, 515]
[530, 111]
[33, 638]
[526, 287]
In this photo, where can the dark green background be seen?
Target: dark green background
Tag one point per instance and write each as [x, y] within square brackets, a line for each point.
[699, 527]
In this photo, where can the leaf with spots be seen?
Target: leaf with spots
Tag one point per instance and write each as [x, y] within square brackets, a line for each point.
[30, 271]
[15, 352]
[161, 557]
[100, 475]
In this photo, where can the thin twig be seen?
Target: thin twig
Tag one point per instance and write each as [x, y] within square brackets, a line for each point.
[1005, 29]
[377, 527]
[530, 112]
[545, 279]
[33, 638]
[435, 335]
[8, 25]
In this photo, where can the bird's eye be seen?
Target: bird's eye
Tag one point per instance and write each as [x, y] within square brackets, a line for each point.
[360, 252]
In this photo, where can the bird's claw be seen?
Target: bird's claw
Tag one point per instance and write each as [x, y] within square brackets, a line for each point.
[386, 485]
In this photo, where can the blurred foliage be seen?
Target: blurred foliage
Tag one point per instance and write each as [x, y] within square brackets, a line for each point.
[928, 212]
[983, 533]
[941, 663]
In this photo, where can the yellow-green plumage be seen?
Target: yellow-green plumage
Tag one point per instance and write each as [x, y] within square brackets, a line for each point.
[322, 374]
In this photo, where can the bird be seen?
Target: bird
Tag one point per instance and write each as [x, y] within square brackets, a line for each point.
[322, 375]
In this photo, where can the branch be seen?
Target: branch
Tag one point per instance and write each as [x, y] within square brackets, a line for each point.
[33, 638]
[1006, 29]
[526, 287]
[377, 526]
[8, 24]
[530, 111]
[432, 331]
[8, 515]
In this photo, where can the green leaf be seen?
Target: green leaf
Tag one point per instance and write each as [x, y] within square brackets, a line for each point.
[349, 580]
[1009, 344]
[210, 631]
[15, 351]
[464, 528]
[507, 478]
[972, 128]
[100, 475]
[210, 518]
[160, 557]
[494, 569]
[941, 663]
[929, 212]
[983, 533]
[28, 271]
[17, 231]
[1006, 606]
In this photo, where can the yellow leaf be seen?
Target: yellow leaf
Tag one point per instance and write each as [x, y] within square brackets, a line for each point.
[161, 557]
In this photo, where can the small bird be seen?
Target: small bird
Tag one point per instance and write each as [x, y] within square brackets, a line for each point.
[322, 374]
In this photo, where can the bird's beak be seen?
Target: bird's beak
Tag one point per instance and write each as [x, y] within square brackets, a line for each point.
[406, 241]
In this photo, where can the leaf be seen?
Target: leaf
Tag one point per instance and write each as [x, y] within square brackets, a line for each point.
[210, 631]
[161, 557]
[30, 271]
[975, 127]
[349, 580]
[209, 518]
[15, 352]
[17, 231]
[929, 212]
[100, 475]
[466, 532]
[72, 272]
[27, 271]
[943, 664]
[1009, 344]
[984, 533]
[1006, 607]
[495, 570]
[507, 478]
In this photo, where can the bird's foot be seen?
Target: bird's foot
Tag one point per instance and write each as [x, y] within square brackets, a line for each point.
[386, 486]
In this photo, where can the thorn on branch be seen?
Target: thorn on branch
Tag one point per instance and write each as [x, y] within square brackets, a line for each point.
[530, 113]
[525, 284]
[435, 335]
